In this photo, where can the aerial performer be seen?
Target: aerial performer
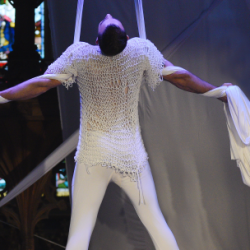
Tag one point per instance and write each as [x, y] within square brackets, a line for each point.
[110, 148]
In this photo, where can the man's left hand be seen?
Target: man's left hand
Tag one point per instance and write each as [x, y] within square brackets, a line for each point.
[224, 98]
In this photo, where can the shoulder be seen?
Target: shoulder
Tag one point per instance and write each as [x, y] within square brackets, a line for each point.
[140, 43]
[75, 47]
[136, 42]
[79, 51]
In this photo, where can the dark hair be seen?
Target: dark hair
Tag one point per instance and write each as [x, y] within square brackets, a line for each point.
[112, 41]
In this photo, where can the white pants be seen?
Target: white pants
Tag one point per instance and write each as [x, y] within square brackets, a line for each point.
[88, 192]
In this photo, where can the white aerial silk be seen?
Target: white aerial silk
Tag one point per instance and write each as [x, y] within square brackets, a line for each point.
[3, 100]
[140, 19]
[171, 69]
[58, 77]
[237, 113]
[44, 167]
[78, 24]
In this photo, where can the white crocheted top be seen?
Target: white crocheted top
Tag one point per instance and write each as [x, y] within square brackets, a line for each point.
[109, 93]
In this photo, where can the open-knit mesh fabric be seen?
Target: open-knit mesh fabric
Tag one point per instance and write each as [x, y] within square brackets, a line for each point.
[109, 94]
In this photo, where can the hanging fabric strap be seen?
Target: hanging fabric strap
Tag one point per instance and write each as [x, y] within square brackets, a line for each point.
[78, 24]
[142, 34]
[44, 167]
[139, 186]
[237, 113]
[140, 19]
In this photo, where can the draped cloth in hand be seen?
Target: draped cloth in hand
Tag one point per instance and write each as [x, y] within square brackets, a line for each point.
[237, 113]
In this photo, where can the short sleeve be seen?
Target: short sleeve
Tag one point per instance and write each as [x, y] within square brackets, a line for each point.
[66, 64]
[155, 63]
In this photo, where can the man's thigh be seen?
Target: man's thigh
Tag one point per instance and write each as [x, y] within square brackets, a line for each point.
[89, 186]
[88, 191]
[145, 186]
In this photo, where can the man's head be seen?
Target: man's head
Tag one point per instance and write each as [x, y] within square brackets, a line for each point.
[112, 37]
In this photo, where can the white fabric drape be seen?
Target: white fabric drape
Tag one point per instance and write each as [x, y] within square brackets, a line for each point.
[171, 69]
[59, 77]
[44, 167]
[237, 113]
[140, 19]
[78, 24]
[3, 100]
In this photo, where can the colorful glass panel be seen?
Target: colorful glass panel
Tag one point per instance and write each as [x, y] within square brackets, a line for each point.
[7, 30]
[39, 29]
[62, 186]
[2, 185]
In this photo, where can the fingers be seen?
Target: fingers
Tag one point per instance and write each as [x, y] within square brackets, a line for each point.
[223, 99]
[227, 84]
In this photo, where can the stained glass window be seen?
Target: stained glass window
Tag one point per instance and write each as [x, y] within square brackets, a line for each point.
[2, 188]
[7, 30]
[62, 186]
[39, 29]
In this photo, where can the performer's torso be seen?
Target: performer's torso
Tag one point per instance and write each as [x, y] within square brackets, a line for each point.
[109, 93]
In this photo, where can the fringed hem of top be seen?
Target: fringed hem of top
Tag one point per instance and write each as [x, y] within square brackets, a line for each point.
[134, 175]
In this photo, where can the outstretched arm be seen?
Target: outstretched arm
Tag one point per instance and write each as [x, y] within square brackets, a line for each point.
[185, 80]
[29, 89]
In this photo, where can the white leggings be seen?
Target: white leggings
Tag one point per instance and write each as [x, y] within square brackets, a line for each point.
[88, 192]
